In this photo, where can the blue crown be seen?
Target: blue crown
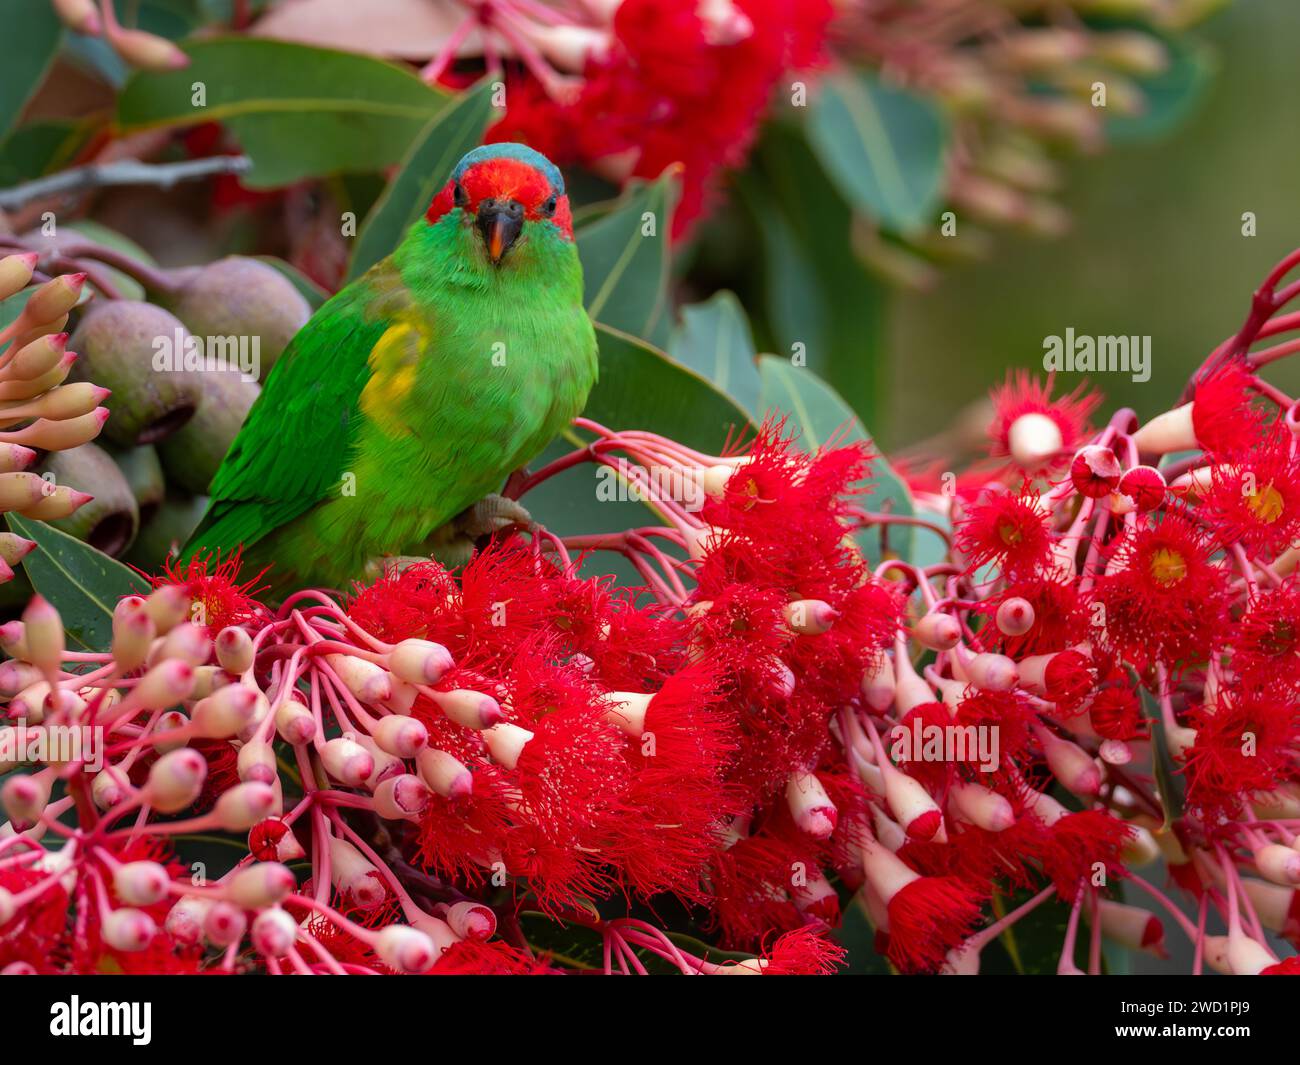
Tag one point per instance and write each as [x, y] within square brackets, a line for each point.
[521, 152]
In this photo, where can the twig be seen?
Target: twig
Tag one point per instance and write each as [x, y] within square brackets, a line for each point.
[122, 172]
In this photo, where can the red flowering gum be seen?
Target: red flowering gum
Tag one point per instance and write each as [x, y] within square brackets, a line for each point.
[1223, 418]
[1034, 430]
[1254, 500]
[1244, 743]
[1012, 532]
[219, 597]
[1266, 640]
[1161, 597]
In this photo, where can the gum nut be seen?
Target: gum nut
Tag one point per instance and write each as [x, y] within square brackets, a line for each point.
[242, 297]
[111, 519]
[143, 472]
[192, 454]
[118, 344]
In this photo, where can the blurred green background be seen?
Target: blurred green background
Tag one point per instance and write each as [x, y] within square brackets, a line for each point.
[1156, 247]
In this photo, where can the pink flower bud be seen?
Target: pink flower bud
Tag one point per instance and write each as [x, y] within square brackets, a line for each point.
[1015, 617]
[1171, 431]
[188, 642]
[175, 780]
[25, 797]
[992, 672]
[223, 713]
[165, 685]
[879, 684]
[274, 932]
[469, 708]
[405, 797]
[141, 883]
[133, 635]
[43, 629]
[260, 884]
[937, 631]
[354, 876]
[295, 723]
[13, 640]
[240, 808]
[109, 788]
[810, 806]
[471, 920]
[444, 774]
[186, 918]
[1132, 927]
[167, 734]
[79, 15]
[419, 661]
[234, 649]
[1279, 864]
[8, 907]
[256, 762]
[402, 737]
[368, 682]
[127, 929]
[810, 617]
[167, 606]
[347, 761]
[17, 676]
[147, 50]
[909, 802]
[506, 742]
[224, 924]
[403, 948]
[982, 807]
[1070, 763]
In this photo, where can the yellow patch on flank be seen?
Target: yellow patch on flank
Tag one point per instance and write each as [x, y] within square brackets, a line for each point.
[393, 362]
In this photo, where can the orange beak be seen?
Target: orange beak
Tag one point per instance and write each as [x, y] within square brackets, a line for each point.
[499, 222]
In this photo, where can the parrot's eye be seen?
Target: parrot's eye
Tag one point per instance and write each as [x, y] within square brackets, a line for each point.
[548, 208]
[459, 196]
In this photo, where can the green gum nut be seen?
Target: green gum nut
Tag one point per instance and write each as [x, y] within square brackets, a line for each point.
[108, 522]
[136, 350]
[167, 531]
[144, 473]
[192, 454]
[240, 297]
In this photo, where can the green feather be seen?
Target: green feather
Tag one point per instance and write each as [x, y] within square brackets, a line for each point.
[407, 397]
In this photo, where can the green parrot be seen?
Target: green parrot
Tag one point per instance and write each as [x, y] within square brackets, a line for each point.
[413, 393]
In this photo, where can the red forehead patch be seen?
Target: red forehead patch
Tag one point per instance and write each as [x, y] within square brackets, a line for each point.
[504, 179]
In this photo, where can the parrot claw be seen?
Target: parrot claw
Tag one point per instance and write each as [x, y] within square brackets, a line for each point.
[490, 515]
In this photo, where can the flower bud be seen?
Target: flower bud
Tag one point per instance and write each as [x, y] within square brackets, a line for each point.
[1070, 764]
[8, 907]
[80, 16]
[469, 708]
[260, 884]
[810, 806]
[36, 359]
[1171, 431]
[1144, 487]
[272, 840]
[188, 642]
[62, 500]
[347, 761]
[506, 742]
[1034, 440]
[982, 807]
[879, 684]
[1247, 956]
[402, 737]
[256, 762]
[127, 929]
[51, 301]
[14, 548]
[810, 617]
[43, 629]
[368, 682]
[1132, 927]
[141, 883]
[419, 661]
[25, 797]
[16, 270]
[627, 710]
[405, 949]
[274, 932]
[444, 774]
[909, 802]
[224, 924]
[1279, 864]
[109, 787]
[1015, 617]
[17, 676]
[223, 713]
[1095, 471]
[471, 920]
[234, 649]
[147, 51]
[240, 808]
[404, 797]
[175, 780]
[18, 491]
[185, 919]
[992, 672]
[354, 876]
[167, 605]
[937, 631]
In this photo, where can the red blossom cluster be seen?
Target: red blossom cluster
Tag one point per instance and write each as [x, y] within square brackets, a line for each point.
[782, 717]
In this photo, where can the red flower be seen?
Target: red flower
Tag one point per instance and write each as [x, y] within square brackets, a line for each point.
[1012, 532]
[1253, 499]
[220, 599]
[1023, 395]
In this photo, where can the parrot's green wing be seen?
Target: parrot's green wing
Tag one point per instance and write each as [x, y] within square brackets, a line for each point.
[294, 447]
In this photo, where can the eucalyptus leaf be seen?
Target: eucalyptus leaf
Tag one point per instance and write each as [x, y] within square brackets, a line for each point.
[714, 340]
[423, 172]
[82, 583]
[32, 33]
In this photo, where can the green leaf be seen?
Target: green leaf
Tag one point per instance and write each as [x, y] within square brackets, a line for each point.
[625, 261]
[1171, 96]
[640, 388]
[297, 111]
[883, 146]
[1169, 783]
[818, 296]
[39, 148]
[32, 33]
[818, 413]
[82, 583]
[424, 171]
[715, 341]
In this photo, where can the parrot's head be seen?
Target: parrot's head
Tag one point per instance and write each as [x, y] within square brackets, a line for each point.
[502, 191]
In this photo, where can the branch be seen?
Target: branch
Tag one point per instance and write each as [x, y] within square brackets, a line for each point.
[122, 172]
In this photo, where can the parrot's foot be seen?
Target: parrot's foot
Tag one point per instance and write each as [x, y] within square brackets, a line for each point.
[490, 515]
